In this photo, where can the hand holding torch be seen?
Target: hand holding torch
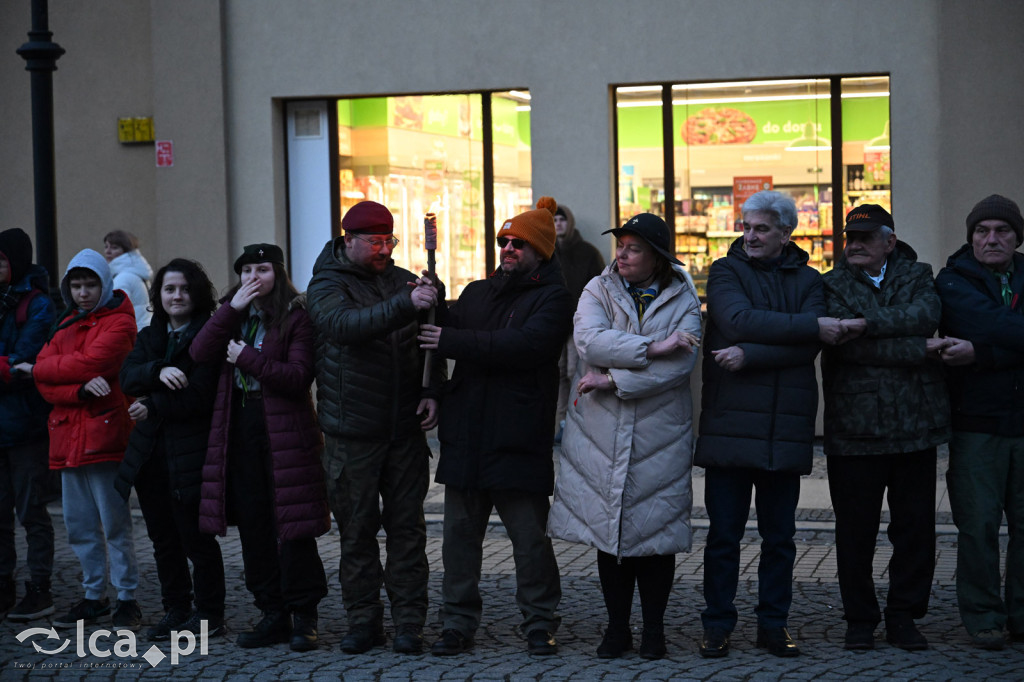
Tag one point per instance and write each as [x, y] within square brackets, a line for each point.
[430, 241]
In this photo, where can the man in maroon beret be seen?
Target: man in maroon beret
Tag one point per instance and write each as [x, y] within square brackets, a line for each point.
[374, 414]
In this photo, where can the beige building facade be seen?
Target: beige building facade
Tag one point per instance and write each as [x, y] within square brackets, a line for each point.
[216, 76]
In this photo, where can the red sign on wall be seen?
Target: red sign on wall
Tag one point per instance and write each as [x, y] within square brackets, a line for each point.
[164, 153]
[744, 187]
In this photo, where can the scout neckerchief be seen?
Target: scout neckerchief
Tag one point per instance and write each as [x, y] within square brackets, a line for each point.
[247, 382]
[642, 298]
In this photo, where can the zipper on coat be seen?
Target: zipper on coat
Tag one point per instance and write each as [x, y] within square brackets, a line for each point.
[395, 369]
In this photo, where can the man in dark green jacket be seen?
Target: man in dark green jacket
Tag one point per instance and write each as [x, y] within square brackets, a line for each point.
[983, 319]
[886, 408]
[496, 431]
[374, 412]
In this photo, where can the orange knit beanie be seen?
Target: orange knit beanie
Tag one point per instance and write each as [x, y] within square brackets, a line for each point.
[536, 227]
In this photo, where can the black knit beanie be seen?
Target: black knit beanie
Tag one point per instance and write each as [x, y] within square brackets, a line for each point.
[17, 249]
[996, 207]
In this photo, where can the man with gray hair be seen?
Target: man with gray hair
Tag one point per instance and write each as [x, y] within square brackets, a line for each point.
[886, 409]
[766, 317]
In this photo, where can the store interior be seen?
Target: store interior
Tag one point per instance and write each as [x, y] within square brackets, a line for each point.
[732, 139]
[424, 154]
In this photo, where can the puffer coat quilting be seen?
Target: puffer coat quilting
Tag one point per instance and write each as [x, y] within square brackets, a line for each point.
[762, 416]
[624, 478]
[284, 368]
[368, 363]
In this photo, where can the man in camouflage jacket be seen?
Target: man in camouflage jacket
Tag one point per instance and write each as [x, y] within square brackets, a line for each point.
[886, 408]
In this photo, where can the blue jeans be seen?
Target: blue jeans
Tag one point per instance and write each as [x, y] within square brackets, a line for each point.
[727, 498]
[98, 520]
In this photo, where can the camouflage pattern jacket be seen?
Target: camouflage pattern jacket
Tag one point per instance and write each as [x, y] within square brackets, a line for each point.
[882, 395]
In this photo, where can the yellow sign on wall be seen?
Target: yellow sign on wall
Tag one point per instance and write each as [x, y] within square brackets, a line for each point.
[135, 130]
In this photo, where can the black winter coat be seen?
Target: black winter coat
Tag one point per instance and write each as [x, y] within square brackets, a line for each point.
[178, 424]
[762, 416]
[498, 411]
[369, 367]
[988, 395]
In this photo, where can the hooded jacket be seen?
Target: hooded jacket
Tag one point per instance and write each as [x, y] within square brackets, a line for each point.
[882, 394]
[284, 368]
[368, 362]
[86, 429]
[131, 275]
[23, 412]
[761, 416]
[498, 410]
[624, 475]
[177, 426]
[580, 260]
[988, 395]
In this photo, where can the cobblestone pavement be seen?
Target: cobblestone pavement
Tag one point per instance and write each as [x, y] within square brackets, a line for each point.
[815, 621]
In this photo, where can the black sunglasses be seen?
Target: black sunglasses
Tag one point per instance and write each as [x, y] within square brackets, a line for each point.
[516, 243]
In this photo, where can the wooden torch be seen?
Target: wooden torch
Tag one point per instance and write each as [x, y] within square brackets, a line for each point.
[430, 241]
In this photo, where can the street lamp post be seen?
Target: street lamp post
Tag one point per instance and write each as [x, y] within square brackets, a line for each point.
[41, 55]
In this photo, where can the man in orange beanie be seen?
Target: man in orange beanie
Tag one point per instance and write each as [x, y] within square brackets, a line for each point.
[496, 428]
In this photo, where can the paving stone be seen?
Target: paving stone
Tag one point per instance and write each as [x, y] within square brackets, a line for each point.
[500, 652]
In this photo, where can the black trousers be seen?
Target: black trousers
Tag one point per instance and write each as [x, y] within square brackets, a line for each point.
[282, 576]
[173, 527]
[857, 484]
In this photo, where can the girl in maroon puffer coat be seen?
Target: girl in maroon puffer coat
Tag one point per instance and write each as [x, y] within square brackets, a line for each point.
[263, 470]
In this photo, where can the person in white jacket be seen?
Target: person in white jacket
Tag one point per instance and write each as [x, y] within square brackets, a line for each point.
[131, 272]
[624, 480]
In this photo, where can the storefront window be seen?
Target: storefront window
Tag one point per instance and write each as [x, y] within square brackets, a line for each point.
[425, 153]
[718, 143]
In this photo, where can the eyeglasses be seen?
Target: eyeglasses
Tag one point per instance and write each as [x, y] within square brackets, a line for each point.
[378, 244]
[517, 244]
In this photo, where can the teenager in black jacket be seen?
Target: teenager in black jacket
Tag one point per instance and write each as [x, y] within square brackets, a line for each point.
[167, 448]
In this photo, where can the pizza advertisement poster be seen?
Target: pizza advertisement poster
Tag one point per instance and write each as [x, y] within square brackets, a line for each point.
[751, 122]
[723, 125]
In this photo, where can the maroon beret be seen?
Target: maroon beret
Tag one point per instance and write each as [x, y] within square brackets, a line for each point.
[369, 217]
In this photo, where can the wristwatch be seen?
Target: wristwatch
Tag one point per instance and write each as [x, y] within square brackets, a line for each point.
[611, 380]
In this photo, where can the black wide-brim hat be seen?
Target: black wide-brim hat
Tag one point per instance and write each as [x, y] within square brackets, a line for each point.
[652, 230]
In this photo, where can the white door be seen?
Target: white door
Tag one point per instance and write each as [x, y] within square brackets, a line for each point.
[309, 187]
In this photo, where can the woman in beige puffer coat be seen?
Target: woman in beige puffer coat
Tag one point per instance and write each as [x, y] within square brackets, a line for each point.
[624, 481]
